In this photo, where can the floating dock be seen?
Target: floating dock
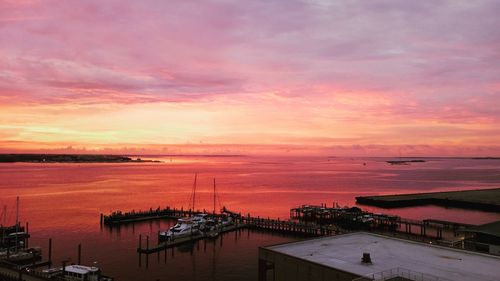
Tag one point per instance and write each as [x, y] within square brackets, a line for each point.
[481, 199]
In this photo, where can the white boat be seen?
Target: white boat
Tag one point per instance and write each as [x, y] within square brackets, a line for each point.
[52, 272]
[83, 273]
[211, 228]
[183, 228]
[25, 255]
[20, 234]
[199, 219]
[227, 221]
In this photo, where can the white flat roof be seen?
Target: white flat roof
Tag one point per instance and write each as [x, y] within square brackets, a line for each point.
[344, 252]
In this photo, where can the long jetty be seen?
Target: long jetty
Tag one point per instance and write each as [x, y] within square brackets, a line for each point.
[481, 199]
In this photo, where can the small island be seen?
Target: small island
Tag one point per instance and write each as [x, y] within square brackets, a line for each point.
[69, 158]
[404, 162]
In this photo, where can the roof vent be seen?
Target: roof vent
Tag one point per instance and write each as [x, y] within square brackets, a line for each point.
[366, 259]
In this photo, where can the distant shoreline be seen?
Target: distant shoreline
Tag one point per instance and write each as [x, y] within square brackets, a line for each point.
[70, 158]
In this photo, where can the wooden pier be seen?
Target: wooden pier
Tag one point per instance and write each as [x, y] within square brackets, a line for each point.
[275, 225]
[354, 218]
[291, 227]
[306, 220]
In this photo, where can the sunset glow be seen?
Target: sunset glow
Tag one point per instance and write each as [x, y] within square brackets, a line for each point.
[238, 77]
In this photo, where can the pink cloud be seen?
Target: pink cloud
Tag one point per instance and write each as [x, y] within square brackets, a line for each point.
[365, 72]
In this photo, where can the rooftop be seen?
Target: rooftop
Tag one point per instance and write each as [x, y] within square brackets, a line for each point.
[489, 228]
[344, 252]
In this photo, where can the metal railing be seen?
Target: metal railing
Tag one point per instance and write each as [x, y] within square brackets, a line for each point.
[401, 273]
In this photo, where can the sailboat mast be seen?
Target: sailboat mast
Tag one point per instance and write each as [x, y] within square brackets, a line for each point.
[17, 220]
[214, 196]
[194, 190]
[4, 222]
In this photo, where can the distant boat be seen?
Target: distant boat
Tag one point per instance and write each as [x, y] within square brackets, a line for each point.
[404, 162]
[398, 162]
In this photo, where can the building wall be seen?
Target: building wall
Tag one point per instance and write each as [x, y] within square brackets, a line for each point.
[282, 267]
[495, 250]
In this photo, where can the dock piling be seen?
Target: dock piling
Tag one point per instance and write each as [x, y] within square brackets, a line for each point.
[27, 235]
[50, 252]
[80, 253]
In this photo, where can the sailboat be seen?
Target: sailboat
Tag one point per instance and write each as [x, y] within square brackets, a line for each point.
[15, 242]
[186, 226]
[212, 227]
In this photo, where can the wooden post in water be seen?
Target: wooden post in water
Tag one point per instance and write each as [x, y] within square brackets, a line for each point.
[26, 245]
[50, 252]
[17, 222]
[140, 241]
[80, 253]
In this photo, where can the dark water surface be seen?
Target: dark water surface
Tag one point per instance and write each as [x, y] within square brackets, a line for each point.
[63, 201]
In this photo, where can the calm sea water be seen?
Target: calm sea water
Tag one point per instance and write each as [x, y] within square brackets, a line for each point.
[63, 201]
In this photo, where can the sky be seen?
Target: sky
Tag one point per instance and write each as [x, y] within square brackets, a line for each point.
[347, 78]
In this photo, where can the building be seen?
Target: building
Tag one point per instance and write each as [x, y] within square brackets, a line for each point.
[483, 238]
[367, 256]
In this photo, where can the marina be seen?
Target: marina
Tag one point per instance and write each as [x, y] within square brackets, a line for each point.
[261, 217]
[306, 220]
